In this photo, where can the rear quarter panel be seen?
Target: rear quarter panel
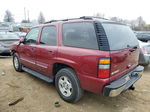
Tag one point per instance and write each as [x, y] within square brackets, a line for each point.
[85, 64]
[84, 61]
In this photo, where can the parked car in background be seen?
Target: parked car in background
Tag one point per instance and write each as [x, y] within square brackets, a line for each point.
[144, 58]
[81, 54]
[143, 36]
[21, 34]
[6, 41]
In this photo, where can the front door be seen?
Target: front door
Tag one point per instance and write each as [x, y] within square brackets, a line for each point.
[27, 50]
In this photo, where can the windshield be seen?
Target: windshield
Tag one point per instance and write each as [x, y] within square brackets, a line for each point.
[8, 36]
[120, 36]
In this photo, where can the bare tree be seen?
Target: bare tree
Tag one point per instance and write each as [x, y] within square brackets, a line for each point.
[117, 19]
[133, 24]
[99, 15]
[41, 18]
[8, 16]
[141, 22]
[114, 19]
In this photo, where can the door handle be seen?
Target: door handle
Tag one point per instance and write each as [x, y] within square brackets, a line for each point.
[50, 52]
[32, 49]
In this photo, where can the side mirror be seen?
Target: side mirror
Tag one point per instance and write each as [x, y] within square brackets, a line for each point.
[21, 40]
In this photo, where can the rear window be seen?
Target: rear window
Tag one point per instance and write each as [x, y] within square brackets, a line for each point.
[119, 36]
[81, 35]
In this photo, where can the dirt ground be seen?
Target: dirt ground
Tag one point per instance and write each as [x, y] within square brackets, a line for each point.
[39, 96]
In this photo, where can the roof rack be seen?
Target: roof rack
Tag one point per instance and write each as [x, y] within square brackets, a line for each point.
[50, 21]
[83, 17]
[91, 17]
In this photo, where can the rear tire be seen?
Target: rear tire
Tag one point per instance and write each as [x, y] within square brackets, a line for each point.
[68, 86]
[16, 63]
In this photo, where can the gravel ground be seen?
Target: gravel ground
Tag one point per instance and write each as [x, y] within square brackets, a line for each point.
[36, 95]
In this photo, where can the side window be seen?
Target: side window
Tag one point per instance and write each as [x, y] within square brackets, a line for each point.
[32, 36]
[81, 35]
[48, 36]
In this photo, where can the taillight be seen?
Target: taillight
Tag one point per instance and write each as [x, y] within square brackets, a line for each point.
[144, 50]
[104, 68]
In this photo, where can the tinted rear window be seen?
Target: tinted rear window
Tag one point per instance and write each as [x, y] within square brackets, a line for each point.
[81, 35]
[119, 36]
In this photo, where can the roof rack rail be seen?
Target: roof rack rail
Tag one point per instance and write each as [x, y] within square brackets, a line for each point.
[91, 17]
[60, 20]
[50, 21]
[86, 17]
[83, 17]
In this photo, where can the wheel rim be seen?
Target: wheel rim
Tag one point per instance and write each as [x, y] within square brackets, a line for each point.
[16, 62]
[65, 86]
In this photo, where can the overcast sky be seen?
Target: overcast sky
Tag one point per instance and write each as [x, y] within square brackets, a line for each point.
[59, 9]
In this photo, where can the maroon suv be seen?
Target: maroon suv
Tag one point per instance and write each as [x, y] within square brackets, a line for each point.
[92, 54]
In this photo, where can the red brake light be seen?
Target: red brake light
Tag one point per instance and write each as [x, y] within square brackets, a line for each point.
[103, 73]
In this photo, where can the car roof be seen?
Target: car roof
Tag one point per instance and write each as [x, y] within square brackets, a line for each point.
[84, 18]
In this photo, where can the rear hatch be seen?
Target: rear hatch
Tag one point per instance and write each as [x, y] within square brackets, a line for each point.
[124, 49]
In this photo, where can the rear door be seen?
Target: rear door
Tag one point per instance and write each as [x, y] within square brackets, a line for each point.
[46, 50]
[124, 49]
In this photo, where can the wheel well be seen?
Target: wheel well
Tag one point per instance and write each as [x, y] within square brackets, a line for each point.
[58, 66]
[13, 52]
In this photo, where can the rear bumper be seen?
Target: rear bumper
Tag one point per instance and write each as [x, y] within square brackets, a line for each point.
[123, 83]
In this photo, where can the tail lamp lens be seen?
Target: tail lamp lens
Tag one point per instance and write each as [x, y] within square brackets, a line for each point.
[104, 68]
[104, 61]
